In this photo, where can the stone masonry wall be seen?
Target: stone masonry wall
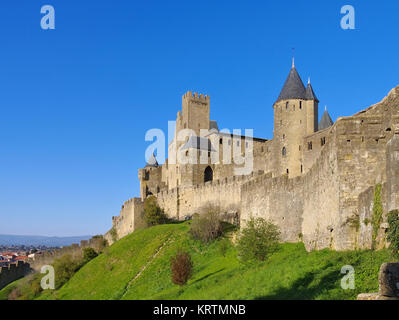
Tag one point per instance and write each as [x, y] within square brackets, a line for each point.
[331, 203]
[75, 250]
[129, 219]
[13, 272]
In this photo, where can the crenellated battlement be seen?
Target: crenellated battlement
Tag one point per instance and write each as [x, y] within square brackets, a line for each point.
[196, 96]
[13, 272]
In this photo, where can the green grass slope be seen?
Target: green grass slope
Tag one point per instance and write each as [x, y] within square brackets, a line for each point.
[138, 267]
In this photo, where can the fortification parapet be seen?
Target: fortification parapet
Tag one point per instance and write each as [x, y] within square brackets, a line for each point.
[13, 272]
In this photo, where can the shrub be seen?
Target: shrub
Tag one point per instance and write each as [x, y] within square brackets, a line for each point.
[207, 226]
[153, 214]
[89, 254]
[182, 268]
[393, 231]
[259, 239]
[15, 294]
[114, 234]
[101, 241]
[27, 289]
[64, 268]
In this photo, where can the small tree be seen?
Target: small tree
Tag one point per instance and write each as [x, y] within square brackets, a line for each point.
[64, 268]
[153, 214]
[259, 239]
[182, 268]
[206, 226]
[393, 231]
[89, 254]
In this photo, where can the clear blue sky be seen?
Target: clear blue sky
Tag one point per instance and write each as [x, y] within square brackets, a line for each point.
[76, 101]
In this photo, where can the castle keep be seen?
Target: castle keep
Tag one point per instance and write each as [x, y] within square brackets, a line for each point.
[316, 180]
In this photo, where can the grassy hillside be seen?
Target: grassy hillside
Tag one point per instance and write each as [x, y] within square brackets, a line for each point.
[138, 267]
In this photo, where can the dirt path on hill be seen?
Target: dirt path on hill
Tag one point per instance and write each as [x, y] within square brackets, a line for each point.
[169, 239]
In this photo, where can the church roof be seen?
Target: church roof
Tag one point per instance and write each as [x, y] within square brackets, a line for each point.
[325, 121]
[293, 87]
[152, 162]
[201, 143]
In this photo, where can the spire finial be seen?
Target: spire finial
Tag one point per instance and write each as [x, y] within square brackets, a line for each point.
[325, 108]
[309, 80]
[293, 57]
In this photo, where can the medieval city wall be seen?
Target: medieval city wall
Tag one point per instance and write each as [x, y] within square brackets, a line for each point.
[304, 207]
[330, 205]
[224, 194]
[13, 272]
[129, 219]
[75, 250]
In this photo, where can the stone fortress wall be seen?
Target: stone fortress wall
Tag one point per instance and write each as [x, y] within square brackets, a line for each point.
[20, 269]
[75, 250]
[13, 272]
[316, 181]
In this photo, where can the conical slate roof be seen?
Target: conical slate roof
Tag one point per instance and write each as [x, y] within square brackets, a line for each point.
[310, 95]
[293, 87]
[152, 162]
[325, 121]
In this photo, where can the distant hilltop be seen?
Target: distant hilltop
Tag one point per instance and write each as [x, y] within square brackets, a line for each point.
[17, 240]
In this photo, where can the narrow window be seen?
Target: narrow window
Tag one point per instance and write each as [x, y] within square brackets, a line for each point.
[283, 136]
[286, 105]
[301, 168]
[221, 141]
[310, 145]
[300, 104]
[299, 148]
[323, 141]
[284, 152]
[288, 171]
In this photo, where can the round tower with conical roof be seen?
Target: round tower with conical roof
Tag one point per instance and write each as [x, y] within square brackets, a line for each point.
[295, 116]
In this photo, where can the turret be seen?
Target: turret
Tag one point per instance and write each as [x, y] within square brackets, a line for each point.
[295, 116]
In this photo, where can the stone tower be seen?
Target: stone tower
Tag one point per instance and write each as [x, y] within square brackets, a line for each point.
[295, 116]
[194, 116]
[195, 112]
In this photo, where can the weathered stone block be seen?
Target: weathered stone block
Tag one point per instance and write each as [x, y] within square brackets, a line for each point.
[388, 279]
